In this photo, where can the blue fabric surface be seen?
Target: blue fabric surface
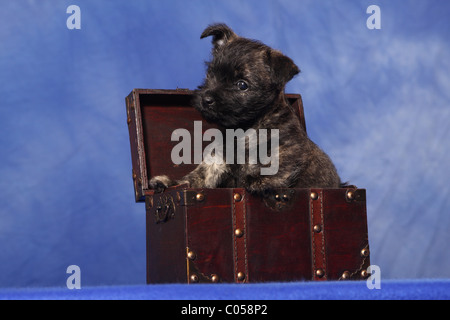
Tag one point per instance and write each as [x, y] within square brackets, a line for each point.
[377, 101]
[393, 290]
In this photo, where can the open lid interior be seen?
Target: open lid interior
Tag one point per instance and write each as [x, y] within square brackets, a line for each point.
[153, 116]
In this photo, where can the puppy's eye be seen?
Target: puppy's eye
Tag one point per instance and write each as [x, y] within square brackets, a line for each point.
[242, 85]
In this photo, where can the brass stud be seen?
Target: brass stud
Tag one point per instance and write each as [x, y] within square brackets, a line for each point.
[350, 195]
[134, 176]
[364, 274]
[285, 197]
[191, 255]
[194, 278]
[237, 197]
[277, 197]
[365, 252]
[199, 197]
[238, 233]
[317, 228]
[345, 275]
[240, 276]
[128, 120]
[314, 196]
[215, 278]
[320, 273]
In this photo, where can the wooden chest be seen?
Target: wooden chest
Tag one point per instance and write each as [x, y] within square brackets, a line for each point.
[228, 235]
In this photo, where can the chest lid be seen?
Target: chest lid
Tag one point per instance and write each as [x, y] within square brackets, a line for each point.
[152, 116]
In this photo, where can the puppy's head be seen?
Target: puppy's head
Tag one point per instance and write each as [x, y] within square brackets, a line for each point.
[244, 79]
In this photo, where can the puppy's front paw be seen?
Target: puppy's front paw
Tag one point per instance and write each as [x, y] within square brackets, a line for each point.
[159, 183]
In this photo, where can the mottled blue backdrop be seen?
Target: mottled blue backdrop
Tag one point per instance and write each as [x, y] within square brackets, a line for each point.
[377, 101]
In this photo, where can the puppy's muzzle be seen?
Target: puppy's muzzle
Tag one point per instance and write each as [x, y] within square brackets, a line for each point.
[208, 101]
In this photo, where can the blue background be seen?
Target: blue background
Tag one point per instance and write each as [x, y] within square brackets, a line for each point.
[377, 101]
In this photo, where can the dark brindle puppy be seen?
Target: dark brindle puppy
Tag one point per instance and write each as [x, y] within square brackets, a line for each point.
[244, 88]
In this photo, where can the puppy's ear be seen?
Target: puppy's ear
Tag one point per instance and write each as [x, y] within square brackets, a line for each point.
[221, 34]
[282, 67]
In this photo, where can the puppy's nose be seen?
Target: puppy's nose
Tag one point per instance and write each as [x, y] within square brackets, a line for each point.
[208, 100]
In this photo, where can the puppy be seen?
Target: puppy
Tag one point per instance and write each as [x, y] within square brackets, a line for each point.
[244, 89]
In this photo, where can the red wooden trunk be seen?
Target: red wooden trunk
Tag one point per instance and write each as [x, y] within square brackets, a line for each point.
[228, 235]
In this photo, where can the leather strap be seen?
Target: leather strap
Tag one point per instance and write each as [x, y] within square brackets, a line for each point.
[319, 265]
[239, 236]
